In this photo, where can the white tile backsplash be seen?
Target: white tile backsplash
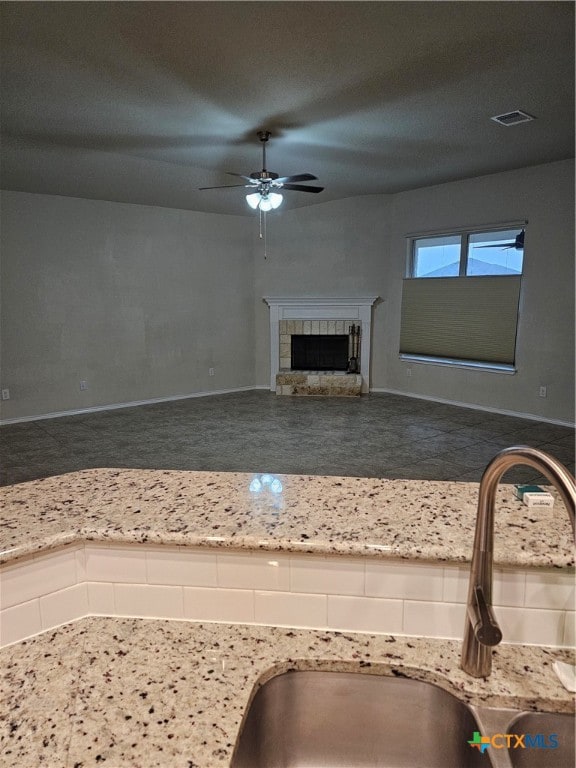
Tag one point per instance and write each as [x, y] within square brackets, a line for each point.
[101, 598]
[64, 606]
[234, 605]
[455, 588]
[117, 564]
[434, 619]
[535, 627]
[365, 614]
[151, 601]
[178, 566]
[323, 575]
[570, 629]
[288, 609]
[80, 554]
[50, 573]
[508, 587]
[19, 622]
[534, 606]
[254, 571]
[403, 581]
[549, 589]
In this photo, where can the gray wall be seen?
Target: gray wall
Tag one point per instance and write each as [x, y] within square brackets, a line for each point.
[141, 301]
[329, 249]
[138, 301]
[358, 247]
[544, 195]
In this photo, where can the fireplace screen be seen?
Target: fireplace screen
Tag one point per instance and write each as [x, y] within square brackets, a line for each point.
[319, 353]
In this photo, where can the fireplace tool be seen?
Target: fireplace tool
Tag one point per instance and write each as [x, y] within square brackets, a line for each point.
[354, 331]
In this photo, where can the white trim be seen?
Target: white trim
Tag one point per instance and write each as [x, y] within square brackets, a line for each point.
[456, 363]
[474, 407]
[472, 229]
[133, 404]
[325, 308]
[315, 301]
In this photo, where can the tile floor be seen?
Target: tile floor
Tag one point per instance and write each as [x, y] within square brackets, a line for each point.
[377, 435]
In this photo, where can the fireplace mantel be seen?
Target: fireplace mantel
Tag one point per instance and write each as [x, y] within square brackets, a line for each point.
[316, 308]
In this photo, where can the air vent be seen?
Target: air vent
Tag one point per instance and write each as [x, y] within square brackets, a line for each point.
[513, 118]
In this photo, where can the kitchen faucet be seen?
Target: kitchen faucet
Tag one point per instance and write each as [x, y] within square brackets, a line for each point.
[481, 629]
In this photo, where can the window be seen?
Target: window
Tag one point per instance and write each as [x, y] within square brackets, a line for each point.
[495, 253]
[436, 256]
[498, 252]
[460, 299]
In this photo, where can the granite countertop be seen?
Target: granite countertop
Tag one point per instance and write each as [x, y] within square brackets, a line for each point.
[135, 693]
[410, 519]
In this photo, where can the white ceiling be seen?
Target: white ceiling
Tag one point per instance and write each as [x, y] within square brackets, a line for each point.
[144, 102]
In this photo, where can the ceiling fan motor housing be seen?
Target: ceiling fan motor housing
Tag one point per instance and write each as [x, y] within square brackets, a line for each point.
[263, 175]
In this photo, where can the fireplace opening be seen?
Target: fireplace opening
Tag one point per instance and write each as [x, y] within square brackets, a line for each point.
[319, 353]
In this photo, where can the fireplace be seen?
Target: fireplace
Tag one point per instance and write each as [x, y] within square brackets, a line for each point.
[347, 321]
[319, 352]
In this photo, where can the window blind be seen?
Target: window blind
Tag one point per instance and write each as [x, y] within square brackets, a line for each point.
[465, 318]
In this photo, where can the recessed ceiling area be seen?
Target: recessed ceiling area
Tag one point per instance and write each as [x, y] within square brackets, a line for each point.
[145, 102]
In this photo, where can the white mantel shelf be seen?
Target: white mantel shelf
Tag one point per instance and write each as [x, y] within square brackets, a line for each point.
[321, 308]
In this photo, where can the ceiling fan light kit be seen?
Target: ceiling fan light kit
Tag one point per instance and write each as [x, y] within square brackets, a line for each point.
[265, 201]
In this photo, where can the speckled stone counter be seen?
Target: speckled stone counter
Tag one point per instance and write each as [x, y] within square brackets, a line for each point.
[419, 520]
[132, 693]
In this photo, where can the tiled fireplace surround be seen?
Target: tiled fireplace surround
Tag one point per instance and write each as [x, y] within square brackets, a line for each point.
[323, 316]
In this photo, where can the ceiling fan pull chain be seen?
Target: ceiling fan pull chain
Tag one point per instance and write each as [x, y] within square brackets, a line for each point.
[262, 233]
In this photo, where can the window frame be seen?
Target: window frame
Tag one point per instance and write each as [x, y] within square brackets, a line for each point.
[464, 234]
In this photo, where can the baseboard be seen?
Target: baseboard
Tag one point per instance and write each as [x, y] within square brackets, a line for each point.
[376, 390]
[132, 404]
[499, 411]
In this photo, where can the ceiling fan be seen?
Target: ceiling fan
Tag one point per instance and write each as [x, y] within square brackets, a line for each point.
[518, 243]
[264, 186]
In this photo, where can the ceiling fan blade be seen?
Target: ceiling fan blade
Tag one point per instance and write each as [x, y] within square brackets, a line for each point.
[518, 243]
[497, 245]
[302, 188]
[227, 186]
[240, 175]
[298, 177]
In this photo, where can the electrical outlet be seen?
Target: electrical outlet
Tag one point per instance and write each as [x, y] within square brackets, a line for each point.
[83, 385]
[5, 394]
[542, 392]
[210, 371]
[408, 371]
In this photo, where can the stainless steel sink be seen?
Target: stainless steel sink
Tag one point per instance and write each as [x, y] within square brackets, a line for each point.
[540, 752]
[346, 720]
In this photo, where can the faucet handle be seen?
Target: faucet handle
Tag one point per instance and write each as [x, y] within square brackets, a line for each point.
[484, 623]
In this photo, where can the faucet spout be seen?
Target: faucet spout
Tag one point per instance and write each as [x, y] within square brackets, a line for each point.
[481, 630]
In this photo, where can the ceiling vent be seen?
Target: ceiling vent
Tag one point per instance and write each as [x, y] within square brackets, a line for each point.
[513, 118]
